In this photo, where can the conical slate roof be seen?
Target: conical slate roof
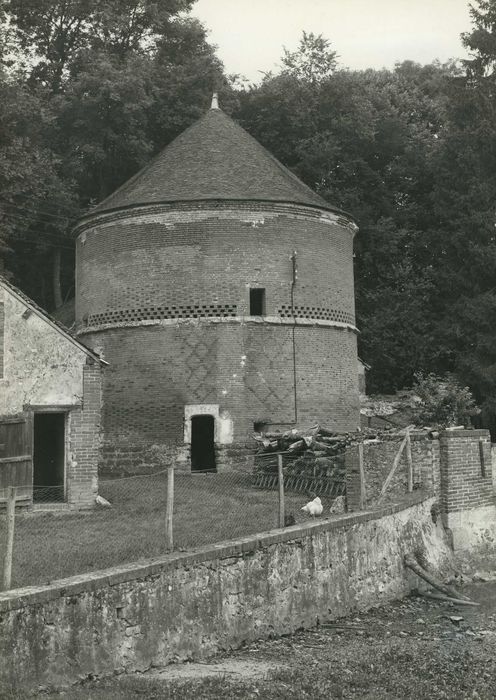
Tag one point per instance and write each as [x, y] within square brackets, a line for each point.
[214, 159]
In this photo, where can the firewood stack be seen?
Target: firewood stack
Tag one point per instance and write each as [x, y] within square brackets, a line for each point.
[315, 439]
[313, 459]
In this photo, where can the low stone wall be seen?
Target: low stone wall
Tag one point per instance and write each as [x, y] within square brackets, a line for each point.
[192, 605]
[122, 457]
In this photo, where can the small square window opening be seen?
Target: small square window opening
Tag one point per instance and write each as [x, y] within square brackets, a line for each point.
[257, 302]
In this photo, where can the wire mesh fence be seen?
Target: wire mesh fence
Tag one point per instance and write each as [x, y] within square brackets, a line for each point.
[303, 473]
[139, 517]
[129, 520]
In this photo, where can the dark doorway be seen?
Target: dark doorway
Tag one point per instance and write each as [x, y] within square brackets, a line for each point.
[202, 443]
[48, 457]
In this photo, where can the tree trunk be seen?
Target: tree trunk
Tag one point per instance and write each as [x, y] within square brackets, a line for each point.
[57, 292]
[412, 564]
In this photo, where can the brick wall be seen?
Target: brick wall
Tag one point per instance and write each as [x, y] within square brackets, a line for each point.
[155, 371]
[463, 484]
[457, 467]
[151, 265]
[141, 280]
[85, 441]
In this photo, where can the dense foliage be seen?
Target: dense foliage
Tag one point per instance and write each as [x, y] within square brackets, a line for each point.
[443, 401]
[411, 153]
[91, 89]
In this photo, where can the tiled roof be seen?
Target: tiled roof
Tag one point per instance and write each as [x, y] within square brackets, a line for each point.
[49, 319]
[66, 314]
[214, 159]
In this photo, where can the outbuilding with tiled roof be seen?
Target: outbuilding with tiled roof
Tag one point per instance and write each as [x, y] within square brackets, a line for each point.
[50, 407]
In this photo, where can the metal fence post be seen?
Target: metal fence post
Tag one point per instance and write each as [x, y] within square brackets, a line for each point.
[280, 476]
[9, 550]
[169, 509]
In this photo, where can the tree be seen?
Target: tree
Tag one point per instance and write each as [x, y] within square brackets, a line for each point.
[462, 230]
[481, 41]
[368, 142]
[116, 80]
[28, 181]
[53, 32]
[444, 402]
[313, 61]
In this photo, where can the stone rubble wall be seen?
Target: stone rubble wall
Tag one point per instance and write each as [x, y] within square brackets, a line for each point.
[378, 459]
[192, 605]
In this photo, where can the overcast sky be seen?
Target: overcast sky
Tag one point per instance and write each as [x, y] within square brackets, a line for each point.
[250, 34]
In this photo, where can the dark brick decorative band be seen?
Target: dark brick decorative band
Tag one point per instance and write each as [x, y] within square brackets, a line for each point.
[159, 312]
[316, 312]
[209, 311]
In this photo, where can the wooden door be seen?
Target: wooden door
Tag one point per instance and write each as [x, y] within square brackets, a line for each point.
[16, 456]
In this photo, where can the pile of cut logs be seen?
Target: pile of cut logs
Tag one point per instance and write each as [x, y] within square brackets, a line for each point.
[313, 459]
[316, 439]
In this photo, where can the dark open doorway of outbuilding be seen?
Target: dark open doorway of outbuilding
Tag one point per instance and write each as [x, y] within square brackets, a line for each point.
[49, 457]
[202, 443]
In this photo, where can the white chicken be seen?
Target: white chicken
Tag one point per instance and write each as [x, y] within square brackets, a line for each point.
[314, 507]
[101, 501]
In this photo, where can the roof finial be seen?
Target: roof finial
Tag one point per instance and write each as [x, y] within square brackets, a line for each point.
[215, 101]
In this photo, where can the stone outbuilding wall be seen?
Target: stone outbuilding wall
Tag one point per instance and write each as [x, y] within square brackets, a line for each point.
[52, 382]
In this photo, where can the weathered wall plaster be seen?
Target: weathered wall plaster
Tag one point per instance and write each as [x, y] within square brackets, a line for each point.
[44, 369]
[41, 367]
[473, 529]
[192, 605]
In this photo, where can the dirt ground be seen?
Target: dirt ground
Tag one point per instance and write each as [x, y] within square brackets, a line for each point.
[414, 648]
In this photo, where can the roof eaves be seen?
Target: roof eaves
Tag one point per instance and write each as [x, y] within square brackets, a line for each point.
[137, 205]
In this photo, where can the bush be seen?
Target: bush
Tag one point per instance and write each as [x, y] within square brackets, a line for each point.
[443, 401]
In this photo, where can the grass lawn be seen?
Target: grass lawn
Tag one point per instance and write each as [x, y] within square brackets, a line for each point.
[208, 508]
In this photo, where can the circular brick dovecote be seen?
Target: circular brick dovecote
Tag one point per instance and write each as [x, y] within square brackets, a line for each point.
[225, 290]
